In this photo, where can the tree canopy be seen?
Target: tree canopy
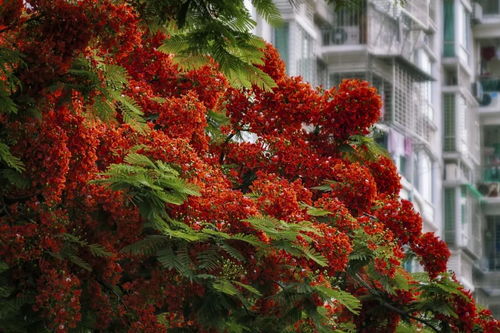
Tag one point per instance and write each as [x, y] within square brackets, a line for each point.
[147, 185]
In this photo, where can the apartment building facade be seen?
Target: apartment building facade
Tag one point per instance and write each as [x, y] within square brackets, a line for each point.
[436, 64]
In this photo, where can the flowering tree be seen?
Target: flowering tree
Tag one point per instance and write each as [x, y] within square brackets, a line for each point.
[138, 195]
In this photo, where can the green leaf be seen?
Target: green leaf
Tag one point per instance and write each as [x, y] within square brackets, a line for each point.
[314, 211]
[79, 262]
[115, 74]
[324, 188]
[249, 288]
[343, 297]
[267, 9]
[225, 287]
[98, 250]
[139, 160]
[179, 261]
[10, 160]
[315, 256]
[15, 178]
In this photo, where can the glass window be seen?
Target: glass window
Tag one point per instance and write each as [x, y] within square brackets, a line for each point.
[306, 64]
[491, 7]
[449, 29]
[492, 242]
[463, 33]
[281, 41]
[425, 176]
[449, 216]
[449, 122]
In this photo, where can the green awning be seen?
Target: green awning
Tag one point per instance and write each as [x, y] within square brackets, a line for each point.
[474, 191]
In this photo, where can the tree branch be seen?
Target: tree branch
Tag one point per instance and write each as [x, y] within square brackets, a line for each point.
[223, 148]
[391, 307]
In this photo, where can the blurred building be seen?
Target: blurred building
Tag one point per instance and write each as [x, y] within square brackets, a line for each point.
[436, 64]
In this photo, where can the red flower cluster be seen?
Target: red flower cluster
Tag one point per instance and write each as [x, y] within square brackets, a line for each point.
[279, 198]
[434, 253]
[401, 219]
[350, 109]
[62, 236]
[353, 185]
[386, 176]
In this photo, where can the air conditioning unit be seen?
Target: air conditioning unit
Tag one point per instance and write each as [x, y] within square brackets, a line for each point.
[491, 99]
[345, 35]
[452, 172]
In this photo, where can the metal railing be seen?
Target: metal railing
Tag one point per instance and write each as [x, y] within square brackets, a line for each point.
[344, 35]
[490, 83]
[491, 173]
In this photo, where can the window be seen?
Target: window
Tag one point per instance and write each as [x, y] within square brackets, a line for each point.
[464, 33]
[425, 176]
[492, 242]
[449, 122]
[464, 207]
[306, 64]
[491, 7]
[462, 124]
[322, 74]
[449, 216]
[449, 29]
[281, 41]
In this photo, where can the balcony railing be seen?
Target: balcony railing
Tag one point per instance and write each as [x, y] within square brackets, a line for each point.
[490, 184]
[493, 262]
[491, 174]
[344, 35]
[422, 10]
[489, 91]
[490, 83]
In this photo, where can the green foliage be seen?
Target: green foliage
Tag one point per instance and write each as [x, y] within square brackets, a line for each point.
[11, 168]
[435, 294]
[314, 211]
[10, 160]
[10, 84]
[217, 29]
[343, 297]
[362, 148]
[110, 81]
[150, 185]
[72, 247]
[235, 52]
[214, 122]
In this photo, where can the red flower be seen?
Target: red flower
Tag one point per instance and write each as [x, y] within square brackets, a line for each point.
[433, 252]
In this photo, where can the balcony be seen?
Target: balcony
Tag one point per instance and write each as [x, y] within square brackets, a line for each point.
[489, 20]
[488, 93]
[380, 28]
[490, 181]
[490, 173]
[422, 11]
